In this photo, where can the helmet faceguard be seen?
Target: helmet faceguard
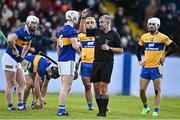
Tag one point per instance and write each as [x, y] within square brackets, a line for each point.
[73, 16]
[32, 22]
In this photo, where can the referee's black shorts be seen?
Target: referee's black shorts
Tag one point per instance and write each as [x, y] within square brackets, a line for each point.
[101, 72]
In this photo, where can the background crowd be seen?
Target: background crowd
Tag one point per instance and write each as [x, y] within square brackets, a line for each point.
[129, 18]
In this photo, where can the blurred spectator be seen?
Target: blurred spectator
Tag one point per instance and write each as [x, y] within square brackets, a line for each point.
[51, 14]
[126, 39]
[120, 20]
[40, 42]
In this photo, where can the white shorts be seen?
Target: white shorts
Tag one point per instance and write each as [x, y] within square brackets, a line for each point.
[9, 64]
[66, 68]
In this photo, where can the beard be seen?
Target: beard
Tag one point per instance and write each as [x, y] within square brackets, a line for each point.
[152, 31]
[32, 29]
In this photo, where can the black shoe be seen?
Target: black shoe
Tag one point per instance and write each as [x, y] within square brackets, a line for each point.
[63, 114]
[12, 109]
[103, 114]
[98, 115]
[90, 109]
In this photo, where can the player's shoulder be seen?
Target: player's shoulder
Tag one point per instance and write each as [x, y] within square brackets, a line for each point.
[162, 35]
[69, 27]
[145, 35]
[81, 35]
[21, 28]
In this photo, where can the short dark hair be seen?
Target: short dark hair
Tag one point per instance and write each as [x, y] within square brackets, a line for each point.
[55, 72]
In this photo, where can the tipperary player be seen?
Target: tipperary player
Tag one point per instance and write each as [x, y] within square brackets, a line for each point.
[18, 45]
[87, 57]
[156, 46]
[67, 46]
[41, 67]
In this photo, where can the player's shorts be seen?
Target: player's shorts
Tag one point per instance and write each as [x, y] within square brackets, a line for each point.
[86, 69]
[150, 73]
[101, 71]
[66, 68]
[9, 64]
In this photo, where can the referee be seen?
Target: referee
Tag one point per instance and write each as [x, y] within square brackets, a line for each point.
[107, 43]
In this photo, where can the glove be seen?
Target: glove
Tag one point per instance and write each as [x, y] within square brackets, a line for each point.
[26, 64]
[20, 59]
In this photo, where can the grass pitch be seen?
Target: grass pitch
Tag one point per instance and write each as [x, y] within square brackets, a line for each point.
[120, 107]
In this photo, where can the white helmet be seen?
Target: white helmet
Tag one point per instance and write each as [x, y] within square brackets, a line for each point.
[155, 21]
[32, 18]
[72, 15]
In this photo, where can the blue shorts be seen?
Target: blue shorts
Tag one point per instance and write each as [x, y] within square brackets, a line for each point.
[86, 69]
[150, 73]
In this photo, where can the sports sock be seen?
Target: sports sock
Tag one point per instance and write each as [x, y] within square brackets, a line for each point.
[145, 105]
[156, 109]
[105, 101]
[10, 105]
[90, 106]
[62, 109]
[99, 103]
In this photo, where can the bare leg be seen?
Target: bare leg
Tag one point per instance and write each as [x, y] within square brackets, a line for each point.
[10, 78]
[88, 95]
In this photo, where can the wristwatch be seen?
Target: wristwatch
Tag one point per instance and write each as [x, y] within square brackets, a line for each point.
[110, 48]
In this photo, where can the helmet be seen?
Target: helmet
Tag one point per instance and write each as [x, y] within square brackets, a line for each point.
[154, 20]
[32, 18]
[55, 73]
[72, 15]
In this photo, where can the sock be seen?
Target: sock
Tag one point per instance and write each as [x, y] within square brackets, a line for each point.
[90, 106]
[105, 101]
[20, 105]
[145, 105]
[99, 103]
[62, 109]
[156, 109]
[10, 105]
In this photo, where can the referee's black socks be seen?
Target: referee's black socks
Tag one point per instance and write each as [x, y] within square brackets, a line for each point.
[105, 101]
[99, 103]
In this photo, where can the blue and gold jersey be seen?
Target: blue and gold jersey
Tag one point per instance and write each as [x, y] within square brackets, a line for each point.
[88, 44]
[154, 48]
[39, 64]
[24, 37]
[67, 52]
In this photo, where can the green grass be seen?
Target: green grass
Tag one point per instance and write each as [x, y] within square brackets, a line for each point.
[120, 107]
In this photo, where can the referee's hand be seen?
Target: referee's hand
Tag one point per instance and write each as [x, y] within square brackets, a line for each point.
[105, 47]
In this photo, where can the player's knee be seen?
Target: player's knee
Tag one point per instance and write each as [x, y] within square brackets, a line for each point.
[142, 91]
[157, 91]
[29, 84]
[88, 87]
[10, 84]
[97, 92]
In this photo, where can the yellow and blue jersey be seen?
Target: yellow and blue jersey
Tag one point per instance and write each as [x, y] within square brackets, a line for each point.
[67, 52]
[88, 44]
[39, 64]
[154, 48]
[24, 37]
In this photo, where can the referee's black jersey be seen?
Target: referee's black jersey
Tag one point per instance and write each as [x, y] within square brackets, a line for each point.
[110, 38]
